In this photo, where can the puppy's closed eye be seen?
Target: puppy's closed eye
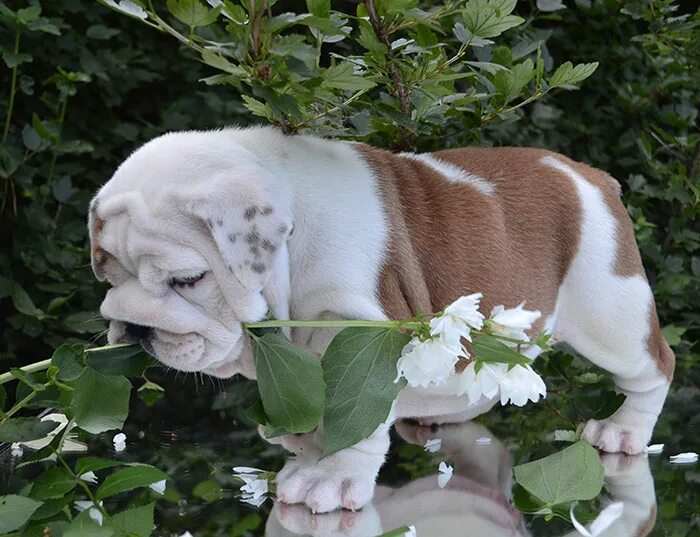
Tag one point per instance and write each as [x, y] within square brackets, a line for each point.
[187, 281]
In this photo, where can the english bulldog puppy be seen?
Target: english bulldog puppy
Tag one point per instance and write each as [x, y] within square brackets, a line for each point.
[199, 232]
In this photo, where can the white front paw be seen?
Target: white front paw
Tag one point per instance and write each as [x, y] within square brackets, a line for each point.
[614, 437]
[327, 484]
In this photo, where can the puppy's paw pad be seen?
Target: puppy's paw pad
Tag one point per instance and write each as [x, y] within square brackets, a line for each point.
[323, 491]
[613, 437]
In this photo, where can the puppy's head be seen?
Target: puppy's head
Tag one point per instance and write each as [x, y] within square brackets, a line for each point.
[191, 233]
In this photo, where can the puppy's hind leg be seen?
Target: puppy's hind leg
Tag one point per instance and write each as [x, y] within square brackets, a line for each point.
[617, 329]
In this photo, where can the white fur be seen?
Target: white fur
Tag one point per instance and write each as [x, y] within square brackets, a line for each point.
[181, 205]
[453, 173]
[606, 317]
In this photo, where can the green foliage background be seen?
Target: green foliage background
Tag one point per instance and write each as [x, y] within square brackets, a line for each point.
[93, 83]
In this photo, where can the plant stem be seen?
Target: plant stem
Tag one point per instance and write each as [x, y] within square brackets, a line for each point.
[19, 406]
[13, 90]
[83, 485]
[334, 324]
[31, 368]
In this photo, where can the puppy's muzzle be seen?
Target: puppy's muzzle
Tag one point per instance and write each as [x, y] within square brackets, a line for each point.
[137, 332]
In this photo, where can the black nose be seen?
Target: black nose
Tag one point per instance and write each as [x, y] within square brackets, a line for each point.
[137, 331]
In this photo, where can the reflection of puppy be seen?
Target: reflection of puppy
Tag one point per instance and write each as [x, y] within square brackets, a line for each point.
[629, 480]
[194, 232]
[474, 501]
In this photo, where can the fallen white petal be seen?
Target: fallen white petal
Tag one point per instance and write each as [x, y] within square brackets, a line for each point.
[445, 474]
[246, 470]
[482, 440]
[89, 477]
[602, 522]
[653, 449]
[119, 441]
[158, 487]
[186, 534]
[433, 446]
[252, 500]
[411, 532]
[16, 450]
[684, 458]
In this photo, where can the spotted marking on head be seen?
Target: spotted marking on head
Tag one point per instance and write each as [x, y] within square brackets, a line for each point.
[255, 251]
[250, 213]
[253, 237]
[258, 267]
[220, 222]
[266, 211]
[267, 245]
[232, 237]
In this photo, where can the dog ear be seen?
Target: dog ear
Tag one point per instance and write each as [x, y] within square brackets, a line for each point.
[98, 257]
[250, 219]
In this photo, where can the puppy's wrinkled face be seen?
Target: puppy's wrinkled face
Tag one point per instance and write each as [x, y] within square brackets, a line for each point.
[190, 232]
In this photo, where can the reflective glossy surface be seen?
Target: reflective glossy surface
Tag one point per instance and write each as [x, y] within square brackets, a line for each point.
[197, 433]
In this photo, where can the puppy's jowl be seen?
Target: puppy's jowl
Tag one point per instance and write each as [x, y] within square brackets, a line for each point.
[194, 232]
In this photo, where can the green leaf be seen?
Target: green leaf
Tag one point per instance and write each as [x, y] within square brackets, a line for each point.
[341, 76]
[12, 60]
[567, 75]
[84, 526]
[93, 464]
[256, 412]
[319, 8]
[31, 138]
[136, 521]
[208, 490]
[673, 334]
[608, 403]
[25, 429]
[43, 130]
[574, 473]
[490, 18]
[256, 107]
[100, 402]
[120, 359]
[359, 369]
[192, 12]
[290, 382]
[26, 378]
[23, 303]
[222, 64]
[15, 511]
[486, 348]
[3, 397]
[68, 360]
[509, 84]
[53, 483]
[127, 479]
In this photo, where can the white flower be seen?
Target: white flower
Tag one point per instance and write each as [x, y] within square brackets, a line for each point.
[158, 487]
[520, 385]
[119, 441]
[512, 322]
[93, 512]
[16, 449]
[89, 477]
[445, 474]
[254, 490]
[433, 446]
[186, 534]
[128, 7]
[684, 458]
[483, 440]
[602, 522]
[466, 308]
[456, 322]
[61, 422]
[426, 362]
[517, 384]
[411, 532]
[653, 449]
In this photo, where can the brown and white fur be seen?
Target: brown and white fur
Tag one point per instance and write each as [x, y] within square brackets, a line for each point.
[376, 235]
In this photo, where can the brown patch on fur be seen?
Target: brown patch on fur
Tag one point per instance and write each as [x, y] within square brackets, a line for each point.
[649, 523]
[450, 239]
[659, 349]
[98, 255]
